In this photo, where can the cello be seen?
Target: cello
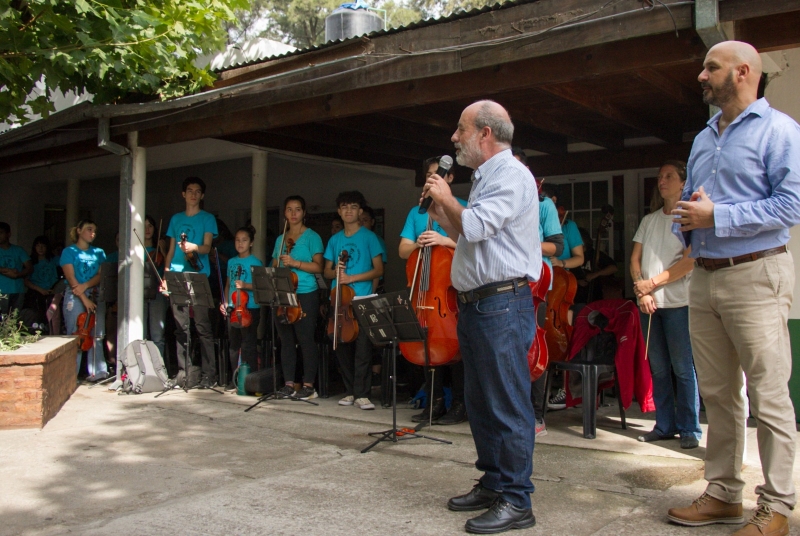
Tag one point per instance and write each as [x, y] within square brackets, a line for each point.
[289, 315]
[342, 325]
[435, 302]
[537, 354]
[558, 330]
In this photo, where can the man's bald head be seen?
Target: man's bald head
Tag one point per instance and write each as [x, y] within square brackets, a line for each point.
[738, 53]
[731, 75]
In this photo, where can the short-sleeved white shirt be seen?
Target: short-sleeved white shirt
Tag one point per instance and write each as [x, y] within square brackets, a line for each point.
[660, 250]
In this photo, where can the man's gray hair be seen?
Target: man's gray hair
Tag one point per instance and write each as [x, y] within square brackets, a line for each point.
[502, 128]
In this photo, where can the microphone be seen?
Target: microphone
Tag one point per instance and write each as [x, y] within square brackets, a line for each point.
[445, 163]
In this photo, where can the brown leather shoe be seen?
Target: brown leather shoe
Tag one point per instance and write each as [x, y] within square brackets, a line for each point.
[706, 510]
[765, 522]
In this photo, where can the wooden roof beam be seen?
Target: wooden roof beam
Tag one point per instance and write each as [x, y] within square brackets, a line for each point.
[597, 104]
[648, 156]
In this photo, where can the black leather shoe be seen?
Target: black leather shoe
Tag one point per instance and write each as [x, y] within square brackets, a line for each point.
[501, 517]
[439, 409]
[477, 499]
[456, 414]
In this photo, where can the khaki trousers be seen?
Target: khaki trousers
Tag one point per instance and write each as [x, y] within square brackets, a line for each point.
[738, 322]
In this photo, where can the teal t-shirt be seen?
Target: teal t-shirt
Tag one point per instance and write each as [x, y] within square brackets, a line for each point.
[239, 268]
[13, 257]
[113, 257]
[308, 245]
[417, 223]
[45, 273]
[548, 225]
[195, 228]
[86, 264]
[361, 248]
[572, 238]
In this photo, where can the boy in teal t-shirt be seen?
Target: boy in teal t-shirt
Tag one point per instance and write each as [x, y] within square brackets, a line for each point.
[15, 264]
[199, 228]
[364, 263]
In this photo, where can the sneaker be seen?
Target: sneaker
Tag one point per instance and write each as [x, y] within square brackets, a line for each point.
[100, 376]
[230, 386]
[541, 429]
[207, 383]
[306, 393]
[287, 391]
[653, 436]
[706, 510]
[347, 400]
[558, 400]
[364, 403]
[765, 522]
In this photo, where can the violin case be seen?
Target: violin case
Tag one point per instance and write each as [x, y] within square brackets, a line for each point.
[259, 382]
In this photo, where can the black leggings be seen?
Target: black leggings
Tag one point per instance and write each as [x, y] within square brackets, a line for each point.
[302, 331]
[245, 338]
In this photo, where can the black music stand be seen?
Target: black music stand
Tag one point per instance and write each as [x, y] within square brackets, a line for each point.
[273, 287]
[188, 289]
[389, 319]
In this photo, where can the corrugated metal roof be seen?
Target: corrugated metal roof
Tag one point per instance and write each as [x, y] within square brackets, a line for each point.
[418, 24]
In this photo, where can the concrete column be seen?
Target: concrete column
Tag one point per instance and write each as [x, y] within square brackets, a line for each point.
[73, 206]
[258, 204]
[130, 292]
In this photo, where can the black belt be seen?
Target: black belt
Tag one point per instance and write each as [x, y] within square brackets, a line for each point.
[485, 291]
[715, 264]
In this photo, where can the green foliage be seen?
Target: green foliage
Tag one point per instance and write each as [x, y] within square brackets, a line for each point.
[13, 334]
[118, 50]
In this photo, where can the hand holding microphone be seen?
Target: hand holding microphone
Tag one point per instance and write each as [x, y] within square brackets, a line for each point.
[445, 163]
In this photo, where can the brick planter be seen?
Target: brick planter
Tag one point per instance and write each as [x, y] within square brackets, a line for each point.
[36, 380]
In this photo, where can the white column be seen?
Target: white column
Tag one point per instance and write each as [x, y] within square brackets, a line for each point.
[130, 290]
[258, 204]
[73, 206]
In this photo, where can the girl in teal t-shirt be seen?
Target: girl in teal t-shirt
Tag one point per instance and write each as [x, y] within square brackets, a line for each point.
[300, 249]
[41, 281]
[242, 337]
[81, 264]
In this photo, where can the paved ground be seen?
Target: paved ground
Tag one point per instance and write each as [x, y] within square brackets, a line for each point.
[197, 464]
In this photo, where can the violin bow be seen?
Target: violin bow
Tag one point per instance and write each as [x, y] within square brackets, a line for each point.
[647, 344]
[283, 242]
[153, 264]
[219, 277]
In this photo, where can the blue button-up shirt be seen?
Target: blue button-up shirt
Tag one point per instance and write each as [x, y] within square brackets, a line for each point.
[499, 241]
[752, 175]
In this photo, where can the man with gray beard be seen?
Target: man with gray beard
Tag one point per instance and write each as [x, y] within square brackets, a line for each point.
[497, 253]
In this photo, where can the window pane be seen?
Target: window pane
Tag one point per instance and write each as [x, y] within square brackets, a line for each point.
[582, 201]
[599, 193]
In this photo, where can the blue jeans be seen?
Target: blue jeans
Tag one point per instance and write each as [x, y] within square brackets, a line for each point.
[494, 335]
[670, 351]
[73, 307]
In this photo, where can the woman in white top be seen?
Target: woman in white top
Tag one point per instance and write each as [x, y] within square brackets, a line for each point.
[661, 268]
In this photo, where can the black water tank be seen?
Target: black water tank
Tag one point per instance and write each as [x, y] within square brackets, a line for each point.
[346, 22]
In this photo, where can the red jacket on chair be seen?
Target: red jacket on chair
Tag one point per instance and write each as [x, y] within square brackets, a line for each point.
[633, 370]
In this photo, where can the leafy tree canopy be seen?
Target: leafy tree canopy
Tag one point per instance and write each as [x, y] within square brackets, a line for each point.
[118, 50]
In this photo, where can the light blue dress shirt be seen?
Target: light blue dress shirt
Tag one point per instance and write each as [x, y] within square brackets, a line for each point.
[498, 242]
[752, 175]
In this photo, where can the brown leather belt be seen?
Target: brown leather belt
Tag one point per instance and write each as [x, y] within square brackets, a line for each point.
[715, 264]
[485, 291]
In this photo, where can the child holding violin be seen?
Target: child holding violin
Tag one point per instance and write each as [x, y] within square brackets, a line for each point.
[241, 309]
[300, 249]
[191, 233]
[364, 262]
[81, 264]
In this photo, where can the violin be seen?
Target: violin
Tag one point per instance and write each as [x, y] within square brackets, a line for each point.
[240, 316]
[537, 354]
[290, 315]
[85, 330]
[435, 302]
[342, 325]
[191, 257]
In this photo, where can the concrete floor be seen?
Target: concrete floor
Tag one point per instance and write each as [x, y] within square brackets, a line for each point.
[197, 464]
